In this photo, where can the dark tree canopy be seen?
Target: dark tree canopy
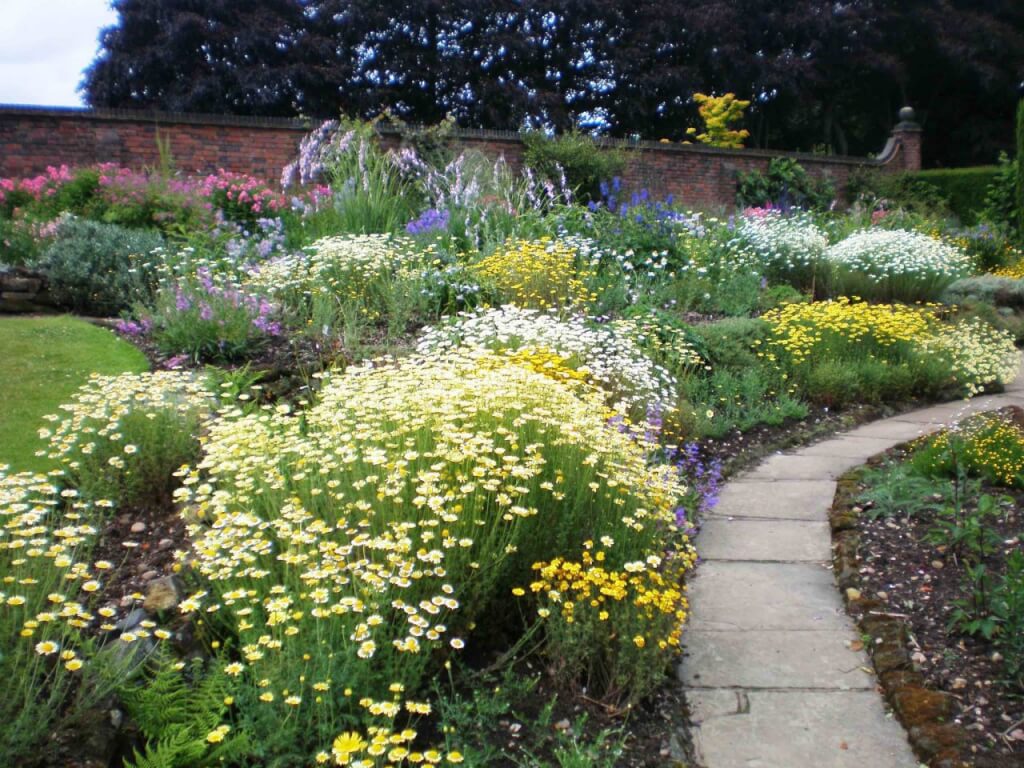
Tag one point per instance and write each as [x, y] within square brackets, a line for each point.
[820, 74]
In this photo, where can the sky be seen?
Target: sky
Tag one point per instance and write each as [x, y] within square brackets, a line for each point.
[44, 47]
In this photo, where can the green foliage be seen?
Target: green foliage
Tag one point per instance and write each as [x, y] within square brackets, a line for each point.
[1020, 168]
[992, 289]
[718, 113]
[786, 183]
[1001, 196]
[576, 156]
[20, 243]
[964, 188]
[100, 269]
[1008, 609]
[738, 399]
[178, 710]
[898, 489]
[903, 192]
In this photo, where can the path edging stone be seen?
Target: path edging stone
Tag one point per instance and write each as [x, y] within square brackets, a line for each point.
[926, 714]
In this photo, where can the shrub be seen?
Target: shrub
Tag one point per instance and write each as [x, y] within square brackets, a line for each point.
[864, 351]
[988, 246]
[993, 289]
[903, 192]
[354, 548]
[964, 188]
[100, 269]
[785, 184]
[890, 265]
[123, 437]
[573, 160]
[1001, 196]
[718, 112]
[790, 248]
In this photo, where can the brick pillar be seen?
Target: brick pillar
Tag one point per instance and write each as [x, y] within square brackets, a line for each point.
[907, 137]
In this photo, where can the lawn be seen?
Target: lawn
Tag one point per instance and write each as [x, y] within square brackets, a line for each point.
[43, 361]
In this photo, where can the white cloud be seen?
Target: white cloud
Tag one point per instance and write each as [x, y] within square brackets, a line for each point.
[44, 47]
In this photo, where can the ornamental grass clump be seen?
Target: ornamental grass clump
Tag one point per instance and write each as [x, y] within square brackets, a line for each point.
[607, 356]
[537, 274]
[123, 437]
[895, 265]
[349, 551]
[788, 247]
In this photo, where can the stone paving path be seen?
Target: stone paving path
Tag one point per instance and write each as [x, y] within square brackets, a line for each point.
[770, 676]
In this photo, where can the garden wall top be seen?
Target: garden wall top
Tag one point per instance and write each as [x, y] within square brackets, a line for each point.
[32, 138]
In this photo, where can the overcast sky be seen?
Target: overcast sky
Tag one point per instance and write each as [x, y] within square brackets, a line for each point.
[45, 45]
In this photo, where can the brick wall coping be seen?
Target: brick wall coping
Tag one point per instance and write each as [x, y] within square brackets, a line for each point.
[305, 124]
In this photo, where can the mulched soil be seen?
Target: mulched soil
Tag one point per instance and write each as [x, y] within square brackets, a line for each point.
[919, 580]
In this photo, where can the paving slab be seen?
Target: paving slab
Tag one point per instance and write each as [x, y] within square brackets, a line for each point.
[890, 429]
[796, 466]
[742, 597]
[770, 676]
[764, 540]
[774, 659]
[780, 499]
[861, 450]
[796, 729]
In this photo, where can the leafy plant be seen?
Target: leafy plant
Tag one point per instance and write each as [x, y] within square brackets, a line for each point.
[100, 269]
[718, 114]
[181, 712]
[572, 159]
[786, 183]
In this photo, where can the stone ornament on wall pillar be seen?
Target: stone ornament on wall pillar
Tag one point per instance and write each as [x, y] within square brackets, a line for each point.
[903, 150]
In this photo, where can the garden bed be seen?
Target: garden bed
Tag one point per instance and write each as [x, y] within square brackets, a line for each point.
[913, 590]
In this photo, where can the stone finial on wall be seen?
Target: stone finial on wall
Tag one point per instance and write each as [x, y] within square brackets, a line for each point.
[903, 150]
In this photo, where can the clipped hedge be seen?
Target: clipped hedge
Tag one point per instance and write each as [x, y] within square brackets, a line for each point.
[965, 188]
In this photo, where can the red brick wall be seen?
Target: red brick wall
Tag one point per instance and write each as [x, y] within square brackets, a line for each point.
[33, 138]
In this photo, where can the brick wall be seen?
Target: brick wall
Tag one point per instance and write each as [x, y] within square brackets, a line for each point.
[31, 138]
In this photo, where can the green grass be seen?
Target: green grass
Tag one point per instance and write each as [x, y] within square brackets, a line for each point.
[43, 360]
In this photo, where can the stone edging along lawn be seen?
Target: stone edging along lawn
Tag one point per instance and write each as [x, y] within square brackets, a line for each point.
[775, 673]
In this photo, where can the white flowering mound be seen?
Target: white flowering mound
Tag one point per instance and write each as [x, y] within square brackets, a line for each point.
[615, 362]
[344, 265]
[788, 247]
[979, 354]
[895, 264]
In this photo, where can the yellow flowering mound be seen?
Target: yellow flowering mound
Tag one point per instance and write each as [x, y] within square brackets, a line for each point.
[1015, 271]
[607, 624]
[536, 274]
[805, 331]
[990, 446]
[350, 547]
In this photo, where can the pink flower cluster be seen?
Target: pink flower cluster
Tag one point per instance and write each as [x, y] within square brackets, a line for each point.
[38, 187]
[244, 191]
